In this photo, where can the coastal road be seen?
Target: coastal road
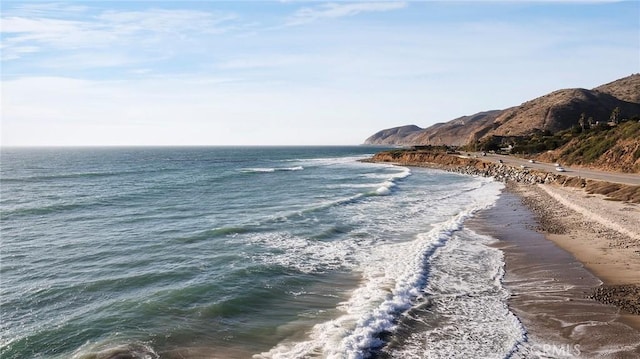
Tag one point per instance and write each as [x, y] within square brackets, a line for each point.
[624, 178]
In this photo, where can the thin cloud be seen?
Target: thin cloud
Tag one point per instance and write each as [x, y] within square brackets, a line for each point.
[16, 52]
[160, 20]
[337, 10]
[48, 10]
[48, 31]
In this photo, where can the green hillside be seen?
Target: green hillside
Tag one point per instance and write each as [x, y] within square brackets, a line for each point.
[604, 146]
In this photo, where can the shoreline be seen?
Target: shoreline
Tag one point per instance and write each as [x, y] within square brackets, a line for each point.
[567, 208]
[608, 246]
[592, 241]
[507, 173]
[550, 289]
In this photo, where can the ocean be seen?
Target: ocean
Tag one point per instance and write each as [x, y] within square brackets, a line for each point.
[245, 252]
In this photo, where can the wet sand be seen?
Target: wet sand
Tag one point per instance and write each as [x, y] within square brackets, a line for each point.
[552, 290]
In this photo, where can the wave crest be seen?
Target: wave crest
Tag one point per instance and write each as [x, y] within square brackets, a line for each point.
[271, 169]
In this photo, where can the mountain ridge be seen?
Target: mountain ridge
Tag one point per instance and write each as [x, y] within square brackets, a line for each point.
[556, 111]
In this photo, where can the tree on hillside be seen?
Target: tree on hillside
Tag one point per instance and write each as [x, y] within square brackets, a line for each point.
[492, 143]
[615, 115]
[583, 121]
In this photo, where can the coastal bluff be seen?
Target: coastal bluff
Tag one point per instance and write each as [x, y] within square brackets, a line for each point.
[503, 172]
[468, 166]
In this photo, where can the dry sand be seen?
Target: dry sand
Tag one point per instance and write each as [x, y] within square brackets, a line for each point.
[602, 234]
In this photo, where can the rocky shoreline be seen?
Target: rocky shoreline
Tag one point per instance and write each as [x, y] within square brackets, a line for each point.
[467, 166]
[625, 297]
[504, 173]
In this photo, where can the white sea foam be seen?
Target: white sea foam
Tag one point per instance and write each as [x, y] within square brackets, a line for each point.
[332, 161]
[393, 278]
[355, 185]
[385, 188]
[401, 172]
[467, 289]
[381, 189]
[271, 169]
[303, 254]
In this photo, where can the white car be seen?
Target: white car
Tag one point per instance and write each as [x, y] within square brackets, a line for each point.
[560, 169]
[532, 161]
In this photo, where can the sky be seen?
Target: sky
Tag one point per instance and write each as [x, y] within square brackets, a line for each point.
[118, 73]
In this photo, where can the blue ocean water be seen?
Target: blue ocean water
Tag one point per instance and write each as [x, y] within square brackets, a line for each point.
[244, 252]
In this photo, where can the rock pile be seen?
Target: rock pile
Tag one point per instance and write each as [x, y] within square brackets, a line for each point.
[626, 297]
[505, 173]
[468, 166]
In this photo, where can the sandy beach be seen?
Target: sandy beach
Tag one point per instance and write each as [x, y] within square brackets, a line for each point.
[572, 258]
[563, 249]
[602, 234]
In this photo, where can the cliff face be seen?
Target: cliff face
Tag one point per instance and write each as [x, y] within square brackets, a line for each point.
[555, 111]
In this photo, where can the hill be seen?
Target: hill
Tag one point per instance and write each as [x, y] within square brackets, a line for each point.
[626, 89]
[557, 111]
[392, 136]
[457, 132]
[560, 110]
[612, 148]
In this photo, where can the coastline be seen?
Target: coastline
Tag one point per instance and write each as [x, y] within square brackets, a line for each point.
[572, 256]
[629, 191]
[602, 235]
[550, 289]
